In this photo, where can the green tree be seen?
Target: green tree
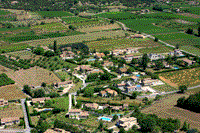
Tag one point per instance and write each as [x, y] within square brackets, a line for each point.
[112, 21]
[55, 46]
[134, 95]
[72, 27]
[147, 124]
[100, 126]
[130, 70]
[156, 39]
[38, 51]
[121, 130]
[27, 89]
[159, 64]
[49, 53]
[177, 46]
[157, 97]
[144, 61]
[189, 31]
[88, 92]
[181, 101]
[134, 61]
[115, 117]
[43, 84]
[185, 126]
[182, 88]
[42, 126]
[198, 29]
[39, 93]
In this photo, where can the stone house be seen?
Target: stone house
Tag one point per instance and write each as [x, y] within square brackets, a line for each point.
[3, 102]
[77, 114]
[127, 123]
[92, 106]
[10, 120]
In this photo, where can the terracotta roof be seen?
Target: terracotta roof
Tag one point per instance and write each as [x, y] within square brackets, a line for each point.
[116, 107]
[123, 69]
[100, 55]
[103, 92]
[34, 100]
[75, 110]
[84, 113]
[92, 105]
[121, 84]
[187, 60]
[64, 83]
[96, 71]
[56, 130]
[9, 119]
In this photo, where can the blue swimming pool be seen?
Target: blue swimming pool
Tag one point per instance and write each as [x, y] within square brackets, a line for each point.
[91, 59]
[105, 118]
[138, 75]
[176, 68]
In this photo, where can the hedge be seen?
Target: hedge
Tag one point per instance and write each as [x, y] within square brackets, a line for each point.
[29, 116]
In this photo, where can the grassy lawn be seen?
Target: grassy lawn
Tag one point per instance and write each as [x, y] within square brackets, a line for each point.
[160, 49]
[111, 44]
[164, 88]
[52, 14]
[61, 103]
[189, 77]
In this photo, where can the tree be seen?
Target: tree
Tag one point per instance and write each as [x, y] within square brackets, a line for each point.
[49, 53]
[134, 61]
[43, 84]
[189, 31]
[34, 130]
[121, 130]
[88, 92]
[27, 89]
[198, 29]
[72, 27]
[55, 46]
[39, 93]
[79, 104]
[144, 61]
[157, 97]
[134, 95]
[42, 126]
[147, 124]
[177, 46]
[115, 117]
[156, 39]
[130, 70]
[182, 88]
[38, 51]
[100, 126]
[185, 126]
[112, 21]
[159, 64]
[180, 102]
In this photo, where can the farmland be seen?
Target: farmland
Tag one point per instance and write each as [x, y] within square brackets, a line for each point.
[52, 14]
[110, 44]
[193, 10]
[4, 80]
[11, 92]
[165, 108]
[61, 103]
[164, 88]
[159, 49]
[188, 77]
[12, 110]
[174, 36]
[76, 38]
[63, 75]
[21, 54]
[33, 76]
[72, 20]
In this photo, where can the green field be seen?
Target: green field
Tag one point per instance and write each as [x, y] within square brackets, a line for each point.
[22, 54]
[63, 75]
[160, 49]
[51, 27]
[5, 47]
[193, 10]
[72, 20]
[111, 44]
[52, 14]
[61, 103]
[174, 36]
[191, 49]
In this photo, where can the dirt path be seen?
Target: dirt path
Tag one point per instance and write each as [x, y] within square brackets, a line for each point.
[165, 108]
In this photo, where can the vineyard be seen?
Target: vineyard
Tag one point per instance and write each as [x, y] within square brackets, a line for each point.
[52, 14]
[4, 80]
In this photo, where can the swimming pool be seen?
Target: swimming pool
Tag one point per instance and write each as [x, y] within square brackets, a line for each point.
[116, 114]
[138, 75]
[105, 118]
[91, 59]
[176, 68]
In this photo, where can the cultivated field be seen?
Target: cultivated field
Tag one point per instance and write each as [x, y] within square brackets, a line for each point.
[4, 69]
[189, 77]
[52, 14]
[61, 103]
[192, 10]
[99, 28]
[164, 88]
[11, 110]
[22, 54]
[11, 92]
[33, 76]
[72, 20]
[165, 108]
[159, 49]
[111, 44]
[76, 38]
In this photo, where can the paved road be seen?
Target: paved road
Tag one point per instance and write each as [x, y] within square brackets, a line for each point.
[70, 101]
[28, 129]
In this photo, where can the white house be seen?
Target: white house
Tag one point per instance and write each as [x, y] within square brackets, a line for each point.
[127, 123]
[133, 88]
[156, 56]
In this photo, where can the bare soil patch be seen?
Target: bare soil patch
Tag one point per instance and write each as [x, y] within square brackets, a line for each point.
[168, 81]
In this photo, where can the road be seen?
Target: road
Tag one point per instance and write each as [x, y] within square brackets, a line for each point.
[70, 101]
[27, 130]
